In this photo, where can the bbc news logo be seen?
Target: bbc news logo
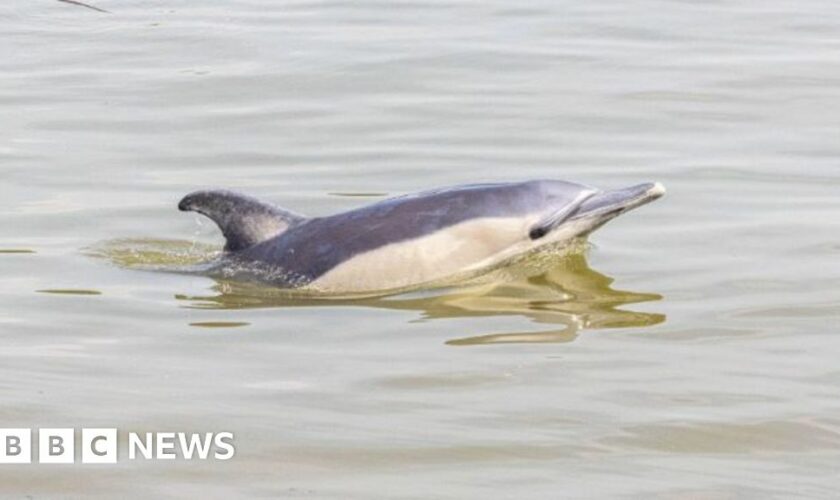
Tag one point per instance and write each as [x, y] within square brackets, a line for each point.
[100, 446]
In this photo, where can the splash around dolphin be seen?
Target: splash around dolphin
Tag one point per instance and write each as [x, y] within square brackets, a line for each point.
[410, 241]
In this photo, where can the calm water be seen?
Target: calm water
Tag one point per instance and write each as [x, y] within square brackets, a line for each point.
[691, 353]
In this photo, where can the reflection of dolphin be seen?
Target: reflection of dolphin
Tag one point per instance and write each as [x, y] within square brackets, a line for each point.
[569, 298]
[407, 241]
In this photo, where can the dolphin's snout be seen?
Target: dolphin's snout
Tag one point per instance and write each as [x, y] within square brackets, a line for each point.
[611, 203]
[656, 190]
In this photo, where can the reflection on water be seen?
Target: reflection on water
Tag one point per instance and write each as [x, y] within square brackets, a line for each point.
[559, 291]
[568, 298]
[219, 324]
[69, 291]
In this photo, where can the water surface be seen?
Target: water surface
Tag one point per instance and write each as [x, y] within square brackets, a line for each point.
[691, 352]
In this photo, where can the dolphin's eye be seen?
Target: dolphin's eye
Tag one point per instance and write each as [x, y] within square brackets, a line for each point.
[537, 233]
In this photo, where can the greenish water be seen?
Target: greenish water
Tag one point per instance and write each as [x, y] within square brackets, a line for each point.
[691, 352]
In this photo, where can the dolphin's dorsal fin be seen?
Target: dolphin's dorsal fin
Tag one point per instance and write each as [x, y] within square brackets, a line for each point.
[244, 221]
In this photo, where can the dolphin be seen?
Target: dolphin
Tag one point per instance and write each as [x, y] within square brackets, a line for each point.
[408, 241]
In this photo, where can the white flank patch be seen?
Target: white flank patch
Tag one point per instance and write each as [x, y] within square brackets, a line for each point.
[467, 246]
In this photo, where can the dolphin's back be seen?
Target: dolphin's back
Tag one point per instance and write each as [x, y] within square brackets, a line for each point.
[312, 248]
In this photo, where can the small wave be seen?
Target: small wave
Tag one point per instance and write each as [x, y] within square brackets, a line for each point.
[156, 254]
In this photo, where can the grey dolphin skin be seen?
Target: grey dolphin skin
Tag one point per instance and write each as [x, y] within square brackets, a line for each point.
[408, 240]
